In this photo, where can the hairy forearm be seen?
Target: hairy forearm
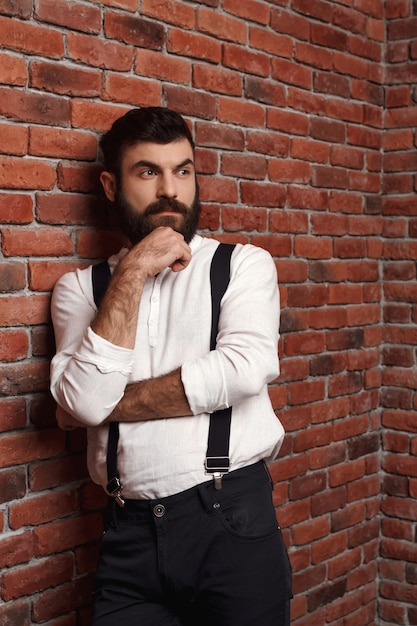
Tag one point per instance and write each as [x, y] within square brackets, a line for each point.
[155, 398]
[116, 320]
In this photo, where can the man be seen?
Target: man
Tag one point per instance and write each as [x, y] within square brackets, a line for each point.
[183, 549]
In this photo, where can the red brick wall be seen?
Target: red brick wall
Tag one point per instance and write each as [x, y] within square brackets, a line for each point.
[398, 563]
[288, 101]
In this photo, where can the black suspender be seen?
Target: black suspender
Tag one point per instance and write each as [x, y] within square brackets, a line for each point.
[217, 460]
[217, 456]
[100, 278]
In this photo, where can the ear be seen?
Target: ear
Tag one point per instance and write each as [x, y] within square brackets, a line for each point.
[108, 180]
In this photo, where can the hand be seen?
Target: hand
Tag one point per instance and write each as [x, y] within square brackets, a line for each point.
[162, 248]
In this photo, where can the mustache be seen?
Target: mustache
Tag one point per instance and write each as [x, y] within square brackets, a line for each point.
[166, 204]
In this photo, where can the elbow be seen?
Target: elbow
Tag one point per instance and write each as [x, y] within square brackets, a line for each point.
[84, 408]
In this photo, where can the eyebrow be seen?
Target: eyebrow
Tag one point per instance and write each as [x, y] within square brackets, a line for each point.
[154, 166]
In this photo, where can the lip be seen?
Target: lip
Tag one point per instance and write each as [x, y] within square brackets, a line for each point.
[167, 213]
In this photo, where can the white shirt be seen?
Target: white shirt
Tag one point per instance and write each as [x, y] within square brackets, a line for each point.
[161, 457]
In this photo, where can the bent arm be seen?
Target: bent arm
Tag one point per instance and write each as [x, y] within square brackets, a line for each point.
[95, 350]
[154, 398]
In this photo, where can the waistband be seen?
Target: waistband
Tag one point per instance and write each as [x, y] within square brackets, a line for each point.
[234, 483]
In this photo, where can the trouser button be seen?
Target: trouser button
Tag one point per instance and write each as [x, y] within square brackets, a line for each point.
[159, 510]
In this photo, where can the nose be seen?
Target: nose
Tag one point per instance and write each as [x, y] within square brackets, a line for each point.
[167, 186]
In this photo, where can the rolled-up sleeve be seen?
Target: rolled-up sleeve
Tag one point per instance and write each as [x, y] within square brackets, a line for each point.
[246, 356]
[88, 373]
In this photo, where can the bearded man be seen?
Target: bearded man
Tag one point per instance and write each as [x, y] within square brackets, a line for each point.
[193, 538]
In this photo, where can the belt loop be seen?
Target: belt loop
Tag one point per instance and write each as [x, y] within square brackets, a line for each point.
[203, 489]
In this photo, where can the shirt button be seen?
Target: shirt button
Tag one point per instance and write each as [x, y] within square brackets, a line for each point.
[159, 510]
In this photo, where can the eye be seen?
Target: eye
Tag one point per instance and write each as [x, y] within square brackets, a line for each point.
[148, 173]
[183, 172]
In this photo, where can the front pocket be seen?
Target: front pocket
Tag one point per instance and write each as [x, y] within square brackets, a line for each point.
[249, 515]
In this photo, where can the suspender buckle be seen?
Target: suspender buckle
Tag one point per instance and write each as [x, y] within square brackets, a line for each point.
[114, 487]
[218, 466]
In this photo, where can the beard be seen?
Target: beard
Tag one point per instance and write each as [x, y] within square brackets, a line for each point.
[136, 226]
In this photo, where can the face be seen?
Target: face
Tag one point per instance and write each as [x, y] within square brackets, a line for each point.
[157, 187]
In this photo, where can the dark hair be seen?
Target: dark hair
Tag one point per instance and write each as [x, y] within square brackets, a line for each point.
[154, 124]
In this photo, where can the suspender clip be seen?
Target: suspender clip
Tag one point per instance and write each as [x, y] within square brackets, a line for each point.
[114, 487]
[217, 466]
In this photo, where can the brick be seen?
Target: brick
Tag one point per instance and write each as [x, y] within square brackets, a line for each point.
[324, 82]
[364, 534]
[289, 171]
[16, 173]
[131, 90]
[262, 194]
[313, 248]
[98, 53]
[235, 219]
[16, 208]
[30, 38]
[315, 56]
[248, 9]
[329, 37]
[62, 599]
[309, 150]
[23, 378]
[276, 245]
[12, 276]
[43, 508]
[330, 177]
[288, 121]
[238, 58]
[93, 115]
[308, 343]
[13, 613]
[68, 208]
[62, 144]
[23, 9]
[12, 414]
[170, 11]
[188, 102]
[194, 45]
[240, 112]
[67, 533]
[13, 138]
[328, 501]
[73, 15]
[342, 564]
[34, 578]
[44, 274]
[288, 222]
[15, 549]
[12, 484]
[268, 143]
[312, 530]
[51, 473]
[292, 24]
[150, 63]
[291, 73]
[98, 244]
[39, 242]
[133, 30]
[221, 26]
[273, 43]
[305, 486]
[327, 594]
[65, 80]
[219, 136]
[288, 468]
[217, 80]
[24, 310]
[14, 345]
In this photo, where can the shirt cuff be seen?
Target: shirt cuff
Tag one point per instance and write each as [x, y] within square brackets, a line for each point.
[106, 356]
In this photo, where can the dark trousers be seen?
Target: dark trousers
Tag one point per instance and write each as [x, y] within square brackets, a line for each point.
[203, 557]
